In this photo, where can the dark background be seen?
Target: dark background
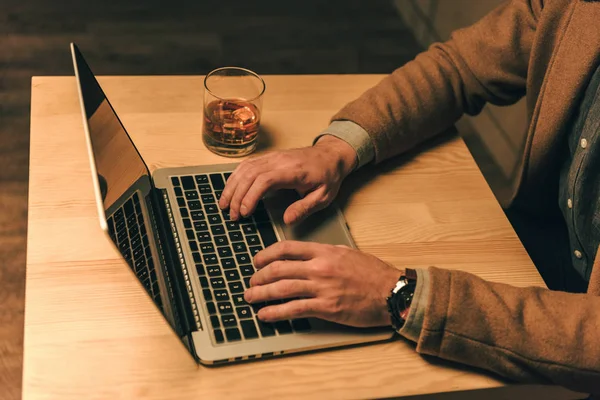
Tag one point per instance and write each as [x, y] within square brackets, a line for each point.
[160, 37]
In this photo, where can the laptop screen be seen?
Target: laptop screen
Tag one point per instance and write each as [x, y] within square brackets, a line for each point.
[118, 162]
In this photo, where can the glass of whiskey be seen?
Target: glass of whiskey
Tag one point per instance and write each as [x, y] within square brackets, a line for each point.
[232, 111]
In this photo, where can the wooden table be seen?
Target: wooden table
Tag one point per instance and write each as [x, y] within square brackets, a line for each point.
[90, 330]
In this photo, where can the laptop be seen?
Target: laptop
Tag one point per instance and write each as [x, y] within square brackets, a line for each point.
[189, 257]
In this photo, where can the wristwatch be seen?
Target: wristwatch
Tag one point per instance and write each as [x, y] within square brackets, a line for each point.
[401, 297]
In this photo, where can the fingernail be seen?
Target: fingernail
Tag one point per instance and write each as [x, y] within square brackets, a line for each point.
[233, 215]
[243, 210]
[248, 295]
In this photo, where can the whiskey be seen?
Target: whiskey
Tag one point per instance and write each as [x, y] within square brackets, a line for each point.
[231, 127]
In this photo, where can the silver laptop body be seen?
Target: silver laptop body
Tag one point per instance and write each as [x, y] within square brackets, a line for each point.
[192, 261]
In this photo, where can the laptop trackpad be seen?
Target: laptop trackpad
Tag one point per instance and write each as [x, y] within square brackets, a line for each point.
[326, 226]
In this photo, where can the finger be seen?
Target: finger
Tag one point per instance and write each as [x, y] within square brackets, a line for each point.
[311, 203]
[302, 308]
[279, 270]
[284, 289]
[263, 183]
[233, 180]
[287, 250]
[243, 183]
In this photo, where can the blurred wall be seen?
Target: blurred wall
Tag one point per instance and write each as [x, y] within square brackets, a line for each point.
[498, 128]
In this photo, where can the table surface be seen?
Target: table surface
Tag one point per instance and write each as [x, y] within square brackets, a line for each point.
[90, 329]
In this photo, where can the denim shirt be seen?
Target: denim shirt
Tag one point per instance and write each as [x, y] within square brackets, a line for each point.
[579, 185]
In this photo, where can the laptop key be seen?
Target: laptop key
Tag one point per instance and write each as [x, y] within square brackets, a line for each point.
[232, 226]
[190, 234]
[248, 229]
[247, 270]
[200, 270]
[221, 240]
[266, 329]
[207, 198]
[244, 312]
[218, 194]
[224, 251]
[214, 321]
[188, 183]
[197, 258]
[227, 175]
[247, 282]
[236, 287]
[210, 259]
[261, 215]
[180, 202]
[191, 195]
[175, 181]
[207, 294]
[233, 334]
[204, 283]
[221, 295]
[211, 208]
[283, 327]
[253, 240]
[214, 219]
[197, 215]
[218, 336]
[178, 192]
[184, 212]
[235, 236]
[249, 329]
[238, 300]
[200, 226]
[232, 275]
[301, 325]
[210, 307]
[204, 189]
[206, 248]
[203, 237]
[239, 247]
[213, 271]
[228, 320]
[228, 263]
[201, 179]
[194, 205]
[217, 181]
[217, 283]
[187, 223]
[193, 245]
[225, 307]
[243, 258]
[267, 234]
[217, 229]
[254, 250]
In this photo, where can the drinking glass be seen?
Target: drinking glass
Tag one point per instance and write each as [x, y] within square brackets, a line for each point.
[232, 111]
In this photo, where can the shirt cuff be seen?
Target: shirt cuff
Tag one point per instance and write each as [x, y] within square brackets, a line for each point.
[355, 136]
[414, 321]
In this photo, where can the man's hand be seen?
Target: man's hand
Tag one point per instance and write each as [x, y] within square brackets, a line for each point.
[316, 173]
[334, 283]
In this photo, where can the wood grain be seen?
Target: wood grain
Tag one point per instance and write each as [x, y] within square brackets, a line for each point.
[91, 331]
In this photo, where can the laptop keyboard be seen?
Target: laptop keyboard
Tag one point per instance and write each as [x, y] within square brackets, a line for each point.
[127, 230]
[222, 251]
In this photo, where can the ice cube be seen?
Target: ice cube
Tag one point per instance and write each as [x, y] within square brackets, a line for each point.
[243, 115]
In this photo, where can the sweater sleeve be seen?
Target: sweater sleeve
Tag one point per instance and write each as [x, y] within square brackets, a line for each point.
[525, 334]
[486, 62]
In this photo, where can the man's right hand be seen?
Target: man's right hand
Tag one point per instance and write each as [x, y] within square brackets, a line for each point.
[315, 172]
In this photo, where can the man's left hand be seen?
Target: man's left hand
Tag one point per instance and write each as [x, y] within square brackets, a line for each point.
[335, 283]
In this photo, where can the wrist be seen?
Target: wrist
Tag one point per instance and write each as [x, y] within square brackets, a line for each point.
[346, 157]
